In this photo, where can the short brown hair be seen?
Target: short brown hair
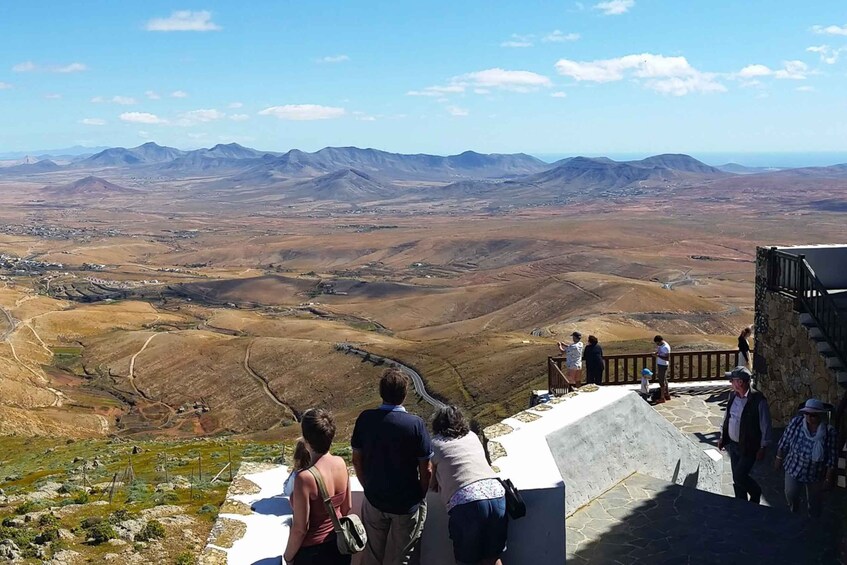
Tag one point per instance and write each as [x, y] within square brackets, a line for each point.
[318, 428]
[393, 387]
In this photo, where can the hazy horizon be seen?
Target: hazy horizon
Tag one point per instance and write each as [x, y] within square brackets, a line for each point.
[787, 159]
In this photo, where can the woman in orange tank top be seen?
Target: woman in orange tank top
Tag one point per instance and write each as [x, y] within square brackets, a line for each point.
[312, 539]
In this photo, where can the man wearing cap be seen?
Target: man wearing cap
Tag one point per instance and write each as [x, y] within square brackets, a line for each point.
[573, 358]
[807, 450]
[745, 433]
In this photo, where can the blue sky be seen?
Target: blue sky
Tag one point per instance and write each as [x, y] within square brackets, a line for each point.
[546, 77]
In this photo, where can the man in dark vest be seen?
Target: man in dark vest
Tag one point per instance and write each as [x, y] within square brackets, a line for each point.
[746, 433]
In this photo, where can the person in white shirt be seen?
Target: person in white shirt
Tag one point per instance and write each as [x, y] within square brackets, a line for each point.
[663, 356]
[573, 358]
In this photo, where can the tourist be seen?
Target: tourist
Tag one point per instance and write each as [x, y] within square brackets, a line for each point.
[807, 451]
[474, 497]
[391, 454]
[663, 356]
[744, 359]
[312, 537]
[594, 365]
[573, 358]
[745, 433]
[301, 460]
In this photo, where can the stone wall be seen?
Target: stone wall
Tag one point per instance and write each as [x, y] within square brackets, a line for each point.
[793, 370]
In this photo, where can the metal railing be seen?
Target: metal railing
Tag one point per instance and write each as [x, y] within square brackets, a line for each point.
[792, 275]
[683, 366]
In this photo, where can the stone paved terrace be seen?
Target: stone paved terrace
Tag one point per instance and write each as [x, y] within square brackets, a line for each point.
[645, 520]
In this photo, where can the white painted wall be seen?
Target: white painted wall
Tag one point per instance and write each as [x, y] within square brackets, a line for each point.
[828, 261]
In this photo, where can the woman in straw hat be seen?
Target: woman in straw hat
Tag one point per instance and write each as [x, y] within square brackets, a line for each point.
[807, 451]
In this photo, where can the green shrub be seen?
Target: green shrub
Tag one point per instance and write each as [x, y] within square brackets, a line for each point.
[101, 532]
[81, 497]
[47, 535]
[90, 522]
[152, 530]
[185, 558]
[26, 507]
[48, 520]
[139, 491]
[119, 516]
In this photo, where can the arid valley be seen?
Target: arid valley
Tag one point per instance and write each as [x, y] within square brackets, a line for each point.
[157, 293]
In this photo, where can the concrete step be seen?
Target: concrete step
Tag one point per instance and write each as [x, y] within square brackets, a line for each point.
[807, 320]
[842, 377]
[815, 333]
[834, 363]
[823, 347]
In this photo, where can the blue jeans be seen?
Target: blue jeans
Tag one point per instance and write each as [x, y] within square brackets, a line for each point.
[478, 529]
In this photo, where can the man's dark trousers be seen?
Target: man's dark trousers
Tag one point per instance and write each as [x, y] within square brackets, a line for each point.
[742, 463]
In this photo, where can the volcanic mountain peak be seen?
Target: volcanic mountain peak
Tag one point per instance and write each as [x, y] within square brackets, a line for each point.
[89, 186]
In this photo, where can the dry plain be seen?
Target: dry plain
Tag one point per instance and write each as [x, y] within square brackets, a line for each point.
[206, 316]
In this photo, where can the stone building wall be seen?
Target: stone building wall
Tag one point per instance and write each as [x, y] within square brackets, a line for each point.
[793, 370]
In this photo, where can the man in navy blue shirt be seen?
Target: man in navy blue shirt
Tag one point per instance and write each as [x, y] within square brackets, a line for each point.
[391, 453]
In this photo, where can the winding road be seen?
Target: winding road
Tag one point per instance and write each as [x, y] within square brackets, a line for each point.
[11, 322]
[417, 381]
[262, 381]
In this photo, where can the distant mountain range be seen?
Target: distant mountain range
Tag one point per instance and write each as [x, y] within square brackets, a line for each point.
[355, 176]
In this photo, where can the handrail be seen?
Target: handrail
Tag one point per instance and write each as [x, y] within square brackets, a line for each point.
[684, 366]
[794, 276]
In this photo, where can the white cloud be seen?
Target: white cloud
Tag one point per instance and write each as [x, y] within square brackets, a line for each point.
[830, 30]
[93, 122]
[456, 111]
[5, 86]
[53, 96]
[334, 59]
[72, 68]
[199, 117]
[667, 75]
[614, 7]
[483, 82]
[559, 94]
[518, 81]
[122, 100]
[179, 94]
[437, 90]
[184, 20]
[752, 71]
[235, 105]
[29, 66]
[514, 43]
[828, 54]
[363, 117]
[302, 112]
[239, 117]
[518, 41]
[791, 70]
[197, 135]
[558, 36]
[805, 89]
[25, 67]
[142, 118]
[152, 95]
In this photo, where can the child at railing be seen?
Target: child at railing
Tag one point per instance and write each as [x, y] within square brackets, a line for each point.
[645, 381]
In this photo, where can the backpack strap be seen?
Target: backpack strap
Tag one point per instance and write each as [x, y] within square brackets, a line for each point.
[330, 509]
